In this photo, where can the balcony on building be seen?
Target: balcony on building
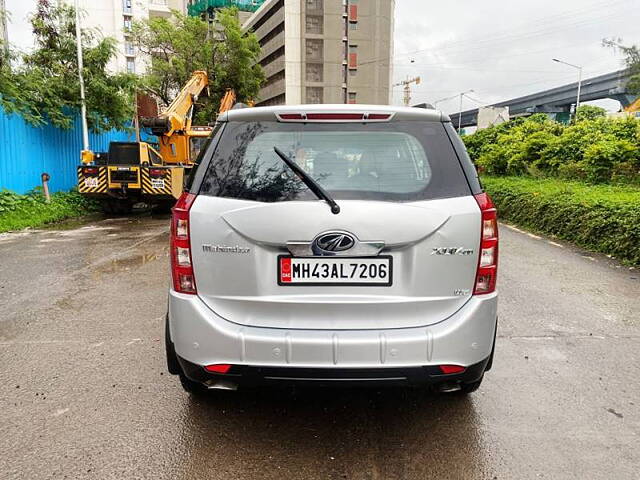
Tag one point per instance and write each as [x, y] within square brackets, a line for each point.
[159, 8]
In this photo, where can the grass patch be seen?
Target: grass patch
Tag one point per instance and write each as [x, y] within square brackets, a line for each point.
[602, 218]
[30, 210]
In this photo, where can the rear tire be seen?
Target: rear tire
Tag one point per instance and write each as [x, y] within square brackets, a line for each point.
[194, 388]
[163, 206]
[106, 207]
[174, 367]
[172, 359]
[114, 206]
[466, 388]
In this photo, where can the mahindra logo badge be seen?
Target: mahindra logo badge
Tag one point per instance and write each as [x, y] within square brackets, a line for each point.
[331, 243]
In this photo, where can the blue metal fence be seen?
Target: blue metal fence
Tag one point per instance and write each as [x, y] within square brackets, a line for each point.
[26, 152]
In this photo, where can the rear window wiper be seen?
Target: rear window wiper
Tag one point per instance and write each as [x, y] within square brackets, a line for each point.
[314, 186]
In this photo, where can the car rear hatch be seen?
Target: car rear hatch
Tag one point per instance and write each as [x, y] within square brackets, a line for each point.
[406, 209]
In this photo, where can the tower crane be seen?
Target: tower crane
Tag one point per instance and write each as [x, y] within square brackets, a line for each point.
[406, 84]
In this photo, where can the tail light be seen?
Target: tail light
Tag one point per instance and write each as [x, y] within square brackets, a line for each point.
[156, 172]
[181, 266]
[90, 171]
[488, 261]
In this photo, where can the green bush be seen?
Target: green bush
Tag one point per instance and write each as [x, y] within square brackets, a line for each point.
[513, 148]
[601, 218]
[594, 149]
[590, 112]
[31, 210]
[602, 157]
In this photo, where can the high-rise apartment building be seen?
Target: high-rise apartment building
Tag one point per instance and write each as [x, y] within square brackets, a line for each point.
[4, 35]
[113, 18]
[325, 51]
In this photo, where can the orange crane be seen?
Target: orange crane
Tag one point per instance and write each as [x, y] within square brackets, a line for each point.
[180, 142]
[228, 101]
[634, 108]
[132, 172]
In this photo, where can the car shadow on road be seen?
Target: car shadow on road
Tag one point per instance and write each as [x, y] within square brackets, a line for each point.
[334, 433]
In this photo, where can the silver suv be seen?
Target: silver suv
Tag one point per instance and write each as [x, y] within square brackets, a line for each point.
[331, 245]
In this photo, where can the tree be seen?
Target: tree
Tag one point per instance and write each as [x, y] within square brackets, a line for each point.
[632, 61]
[179, 45]
[590, 112]
[44, 87]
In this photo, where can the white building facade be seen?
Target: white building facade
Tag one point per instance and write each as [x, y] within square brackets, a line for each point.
[113, 18]
[325, 51]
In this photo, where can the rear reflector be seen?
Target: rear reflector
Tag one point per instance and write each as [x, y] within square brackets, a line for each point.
[487, 270]
[90, 171]
[449, 369]
[156, 172]
[218, 368]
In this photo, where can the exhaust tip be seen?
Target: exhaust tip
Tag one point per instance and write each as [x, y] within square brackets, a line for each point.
[448, 387]
[221, 385]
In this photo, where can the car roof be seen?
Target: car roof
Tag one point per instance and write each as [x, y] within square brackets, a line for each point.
[269, 113]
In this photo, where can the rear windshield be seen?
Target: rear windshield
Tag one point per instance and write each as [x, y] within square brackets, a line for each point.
[395, 161]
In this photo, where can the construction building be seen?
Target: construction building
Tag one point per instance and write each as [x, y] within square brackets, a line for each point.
[324, 51]
[114, 18]
[207, 8]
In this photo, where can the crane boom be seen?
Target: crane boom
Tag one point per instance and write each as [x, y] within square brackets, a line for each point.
[227, 101]
[178, 116]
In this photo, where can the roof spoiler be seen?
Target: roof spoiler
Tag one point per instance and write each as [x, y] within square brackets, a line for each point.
[334, 117]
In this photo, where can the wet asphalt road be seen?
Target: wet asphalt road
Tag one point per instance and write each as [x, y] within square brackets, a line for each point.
[84, 392]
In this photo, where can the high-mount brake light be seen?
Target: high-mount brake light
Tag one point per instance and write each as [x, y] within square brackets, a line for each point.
[379, 116]
[488, 262]
[156, 172]
[334, 117]
[90, 171]
[181, 265]
[291, 116]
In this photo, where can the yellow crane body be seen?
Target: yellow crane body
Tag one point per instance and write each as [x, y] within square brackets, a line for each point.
[634, 108]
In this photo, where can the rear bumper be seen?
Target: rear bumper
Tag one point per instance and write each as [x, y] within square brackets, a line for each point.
[200, 337]
[259, 376]
[137, 184]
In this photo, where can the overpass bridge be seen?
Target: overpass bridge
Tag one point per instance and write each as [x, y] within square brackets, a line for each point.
[559, 99]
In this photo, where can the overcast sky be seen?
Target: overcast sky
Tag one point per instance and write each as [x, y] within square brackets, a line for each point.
[499, 48]
[503, 48]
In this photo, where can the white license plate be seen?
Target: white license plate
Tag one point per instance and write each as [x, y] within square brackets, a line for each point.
[91, 182]
[335, 271]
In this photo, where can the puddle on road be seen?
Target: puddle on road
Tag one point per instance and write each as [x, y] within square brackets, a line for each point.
[131, 262]
[72, 223]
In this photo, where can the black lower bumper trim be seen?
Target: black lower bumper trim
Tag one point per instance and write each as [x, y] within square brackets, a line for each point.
[254, 376]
